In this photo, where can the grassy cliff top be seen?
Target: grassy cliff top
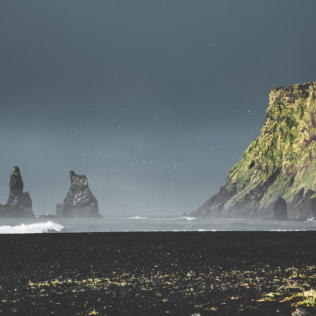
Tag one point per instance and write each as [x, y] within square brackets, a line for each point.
[287, 143]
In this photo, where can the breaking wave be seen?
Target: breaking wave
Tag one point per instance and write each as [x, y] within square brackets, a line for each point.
[287, 230]
[31, 228]
[189, 218]
[137, 217]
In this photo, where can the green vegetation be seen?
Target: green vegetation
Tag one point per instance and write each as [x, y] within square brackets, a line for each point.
[294, 292]
[287, 142]
[231, 287]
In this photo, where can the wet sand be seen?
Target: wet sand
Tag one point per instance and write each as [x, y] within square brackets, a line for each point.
[156, 273]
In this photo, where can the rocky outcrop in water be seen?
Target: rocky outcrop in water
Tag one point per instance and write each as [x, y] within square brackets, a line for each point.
[79, 202]
[279, 209]
[19, 204]
[303, 205]
[281, 162]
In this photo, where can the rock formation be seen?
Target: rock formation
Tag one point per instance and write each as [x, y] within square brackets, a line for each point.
[19, 204]
[303, 205]
[281, 162]
[279, 209]
[79, 202]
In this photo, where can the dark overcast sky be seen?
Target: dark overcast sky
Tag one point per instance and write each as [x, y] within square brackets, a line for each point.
[148, 98]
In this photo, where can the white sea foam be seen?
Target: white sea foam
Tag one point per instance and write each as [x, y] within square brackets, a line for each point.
[287, 230]
[311, 219]
[137, 217]
[189, 218]
[31, 228]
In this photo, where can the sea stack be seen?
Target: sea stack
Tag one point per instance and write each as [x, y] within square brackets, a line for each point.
[19, 204]
[280, 163]
[79, 201]
[279, 209]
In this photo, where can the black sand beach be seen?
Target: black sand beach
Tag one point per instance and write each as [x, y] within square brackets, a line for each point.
[157, 273]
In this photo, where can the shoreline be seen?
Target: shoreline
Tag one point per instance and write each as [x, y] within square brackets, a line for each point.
[155, 273]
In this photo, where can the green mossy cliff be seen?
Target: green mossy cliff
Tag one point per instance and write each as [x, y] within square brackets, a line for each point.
[281, 162]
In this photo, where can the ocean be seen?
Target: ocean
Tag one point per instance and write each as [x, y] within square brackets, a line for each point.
[141, 224]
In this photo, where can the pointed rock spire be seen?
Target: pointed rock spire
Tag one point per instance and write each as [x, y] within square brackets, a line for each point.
[19, 204]
[79, 201]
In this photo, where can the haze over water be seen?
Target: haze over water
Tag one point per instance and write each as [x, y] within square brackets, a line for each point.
[153, 101]
[140, 223]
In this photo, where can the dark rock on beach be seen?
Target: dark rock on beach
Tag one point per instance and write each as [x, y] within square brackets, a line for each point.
[79, 202]
[303, 205]
[19, 204]
[279, 209]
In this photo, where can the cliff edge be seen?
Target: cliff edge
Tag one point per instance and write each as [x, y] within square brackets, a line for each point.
[280, 163]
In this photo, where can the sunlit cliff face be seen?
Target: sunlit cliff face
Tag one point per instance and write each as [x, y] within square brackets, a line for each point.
[286, 143]
[280, 163]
